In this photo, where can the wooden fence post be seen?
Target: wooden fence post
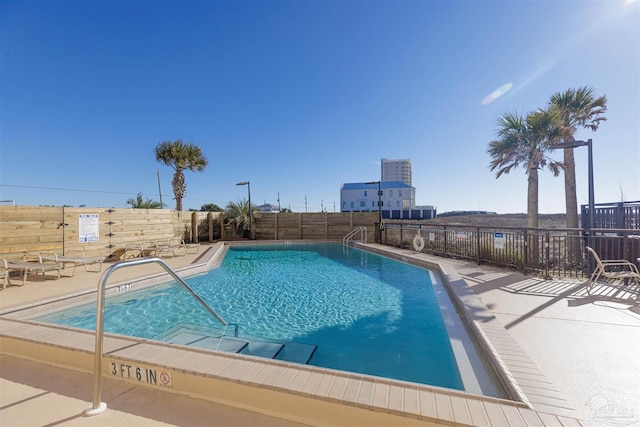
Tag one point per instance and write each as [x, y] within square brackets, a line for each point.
[300, 226]
[194, 227]
[275, 226]
[326, 225]
[210, 225]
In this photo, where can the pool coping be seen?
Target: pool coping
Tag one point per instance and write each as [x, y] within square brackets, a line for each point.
[324, 393]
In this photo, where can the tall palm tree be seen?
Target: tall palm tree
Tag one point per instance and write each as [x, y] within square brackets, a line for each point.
[579, 108]
[139, 203]
[180, 156]
[238, 215]
[524, 141]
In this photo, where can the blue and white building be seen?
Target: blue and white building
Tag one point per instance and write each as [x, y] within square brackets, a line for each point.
[398, 200]
[363, 197]
[397, 196]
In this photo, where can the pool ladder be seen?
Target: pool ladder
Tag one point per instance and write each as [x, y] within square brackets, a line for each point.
[363, 235]
[97, 406]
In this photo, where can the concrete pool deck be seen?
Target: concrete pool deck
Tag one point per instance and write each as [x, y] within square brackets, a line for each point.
[586, 346]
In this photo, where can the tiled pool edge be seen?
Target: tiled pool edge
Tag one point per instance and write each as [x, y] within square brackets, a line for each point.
[204, 262]
[238, 380]
[537, 401]
[519, 374]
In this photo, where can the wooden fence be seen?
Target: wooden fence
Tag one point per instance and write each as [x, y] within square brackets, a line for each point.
[105, 232]
[313, 226]
[99, 232]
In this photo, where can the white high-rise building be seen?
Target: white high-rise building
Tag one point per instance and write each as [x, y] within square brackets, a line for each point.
[396, 170]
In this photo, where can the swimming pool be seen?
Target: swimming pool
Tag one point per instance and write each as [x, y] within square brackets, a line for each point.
[364, 312]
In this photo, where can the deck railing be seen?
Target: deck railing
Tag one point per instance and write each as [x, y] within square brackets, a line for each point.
[548, 252]
[613, 215]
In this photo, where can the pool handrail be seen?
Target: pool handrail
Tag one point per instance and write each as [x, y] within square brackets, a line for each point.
[360, 229]
[97, 406]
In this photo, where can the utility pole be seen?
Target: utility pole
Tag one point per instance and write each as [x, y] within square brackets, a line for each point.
[159, 189]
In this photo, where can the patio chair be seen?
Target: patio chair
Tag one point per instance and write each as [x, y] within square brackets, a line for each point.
[166, 247]
[26, 268]
[140, 249]
[188, 246]
[74, 261]
[614, 270]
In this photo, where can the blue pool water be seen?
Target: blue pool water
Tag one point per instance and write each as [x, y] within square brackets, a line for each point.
[366, 313]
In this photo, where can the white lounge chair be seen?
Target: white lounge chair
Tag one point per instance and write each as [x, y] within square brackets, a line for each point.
[140, 249]
[74, 261]
[615, 270]
[188, 246]
[166, 247]
[27, 267]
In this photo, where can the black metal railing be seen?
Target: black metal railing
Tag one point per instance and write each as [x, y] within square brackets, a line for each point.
[548, 252]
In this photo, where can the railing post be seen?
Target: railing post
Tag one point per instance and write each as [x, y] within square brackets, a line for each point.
[547, 254]
[478, 245]
[446, 240]
[526, 250]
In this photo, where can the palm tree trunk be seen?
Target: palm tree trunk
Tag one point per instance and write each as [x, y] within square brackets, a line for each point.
[532, 199]
[532, 217]
[178, 188]
[570, 187]
[571, 201]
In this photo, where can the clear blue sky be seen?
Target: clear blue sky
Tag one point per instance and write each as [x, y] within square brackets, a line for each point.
[298, 97]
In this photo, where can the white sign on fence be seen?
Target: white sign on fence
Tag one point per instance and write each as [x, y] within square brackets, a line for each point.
[88, 228]
[498, 240]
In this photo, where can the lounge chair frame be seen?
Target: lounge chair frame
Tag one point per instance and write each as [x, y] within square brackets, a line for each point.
[140, 249]
[26, 268]
[617, 270]
[74, 261]
[189, 246]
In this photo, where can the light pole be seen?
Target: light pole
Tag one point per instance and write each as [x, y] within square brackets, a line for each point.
[250, 209]
[589, 144]
[379, 204]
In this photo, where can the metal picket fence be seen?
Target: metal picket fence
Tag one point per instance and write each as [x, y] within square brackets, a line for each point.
[548, 252]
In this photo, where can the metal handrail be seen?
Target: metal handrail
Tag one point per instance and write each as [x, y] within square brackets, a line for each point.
[360, 229]
[97, 406]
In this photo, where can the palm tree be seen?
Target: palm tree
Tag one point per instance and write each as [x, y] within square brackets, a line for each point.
[211, 207]
[238, 215]
[138, 203]
[578, 108]
[524, 141]
[180, 156]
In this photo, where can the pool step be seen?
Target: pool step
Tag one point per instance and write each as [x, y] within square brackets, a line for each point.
[286, 351]
[208, 342]
[297, 352]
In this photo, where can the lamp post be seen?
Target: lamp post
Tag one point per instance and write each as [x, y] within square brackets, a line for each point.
[379, 204]
[250, 210]
[589, 144]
